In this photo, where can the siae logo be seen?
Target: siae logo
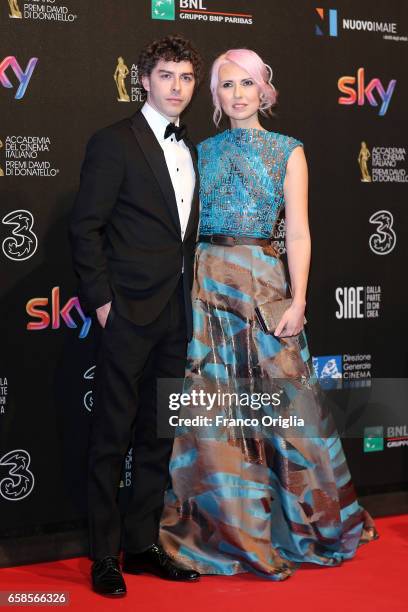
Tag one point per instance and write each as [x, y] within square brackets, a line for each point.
[358, 302]
[19, 481]
[57, 313]
[350, 302]
[328, 22]
[23, 76]
[23, 243]
[365, 91]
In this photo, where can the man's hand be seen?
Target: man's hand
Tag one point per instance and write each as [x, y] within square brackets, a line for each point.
[102, 313]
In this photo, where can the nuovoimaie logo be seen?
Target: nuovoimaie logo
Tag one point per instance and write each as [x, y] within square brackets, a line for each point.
[23, 76]
[164, 9]
[332, 25]
[363, 92]
[373, 439]
[44, 318]
[328, 22]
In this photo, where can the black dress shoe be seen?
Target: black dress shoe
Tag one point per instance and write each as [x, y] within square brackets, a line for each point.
[156, 561]
[107, 578]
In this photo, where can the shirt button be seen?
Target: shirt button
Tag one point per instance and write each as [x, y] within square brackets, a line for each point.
[182, 200]
[171, 139]
[177, 169]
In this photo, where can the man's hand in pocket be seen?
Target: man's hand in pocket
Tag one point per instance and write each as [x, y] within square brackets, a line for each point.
[102, 313]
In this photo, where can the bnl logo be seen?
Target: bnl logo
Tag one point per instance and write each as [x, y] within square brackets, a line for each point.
[163, 9]
[166, 9]
[328, 17]
[373, 439]
[44, 318]
[23, 76]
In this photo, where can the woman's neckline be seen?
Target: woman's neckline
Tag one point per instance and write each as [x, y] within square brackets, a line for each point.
[246, 129]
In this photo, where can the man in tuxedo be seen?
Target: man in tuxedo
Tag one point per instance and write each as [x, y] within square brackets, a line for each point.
[133, 233]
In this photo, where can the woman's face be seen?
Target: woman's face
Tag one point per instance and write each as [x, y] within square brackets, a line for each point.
[238, 94]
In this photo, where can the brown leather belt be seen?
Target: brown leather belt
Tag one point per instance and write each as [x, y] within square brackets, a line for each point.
[230, 241]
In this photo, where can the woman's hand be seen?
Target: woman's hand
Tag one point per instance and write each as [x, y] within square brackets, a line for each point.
[291, 322]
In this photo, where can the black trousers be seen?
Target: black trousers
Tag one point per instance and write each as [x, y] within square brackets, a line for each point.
[131, 359]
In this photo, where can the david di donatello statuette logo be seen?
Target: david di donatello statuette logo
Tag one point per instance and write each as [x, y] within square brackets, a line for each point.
[15, 12]
[363, 158]
[120, 74]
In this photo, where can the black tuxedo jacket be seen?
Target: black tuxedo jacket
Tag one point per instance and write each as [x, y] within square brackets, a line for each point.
[125, 229]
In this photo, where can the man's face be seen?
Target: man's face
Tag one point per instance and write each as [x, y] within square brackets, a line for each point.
[170, 87]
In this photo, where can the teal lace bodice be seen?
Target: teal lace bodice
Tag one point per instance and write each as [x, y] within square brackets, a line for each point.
[241, 181]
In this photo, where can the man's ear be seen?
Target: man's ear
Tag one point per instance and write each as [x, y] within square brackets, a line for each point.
[146, 82]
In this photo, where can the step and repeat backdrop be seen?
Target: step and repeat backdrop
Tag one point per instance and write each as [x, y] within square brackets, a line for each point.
[68, 68]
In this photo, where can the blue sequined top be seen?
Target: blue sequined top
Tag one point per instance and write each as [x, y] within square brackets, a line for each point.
[241, 181]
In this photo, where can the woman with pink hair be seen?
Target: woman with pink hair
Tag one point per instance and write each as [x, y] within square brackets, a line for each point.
[259, 478]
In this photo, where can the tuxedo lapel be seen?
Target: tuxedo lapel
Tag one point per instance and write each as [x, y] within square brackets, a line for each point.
[193, 218]
[155, 158]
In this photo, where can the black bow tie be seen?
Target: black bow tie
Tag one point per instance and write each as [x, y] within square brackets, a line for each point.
[179, 131]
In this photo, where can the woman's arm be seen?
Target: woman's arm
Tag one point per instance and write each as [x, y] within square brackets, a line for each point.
[297, 241]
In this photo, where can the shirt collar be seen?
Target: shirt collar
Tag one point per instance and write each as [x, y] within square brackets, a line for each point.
[156, 121]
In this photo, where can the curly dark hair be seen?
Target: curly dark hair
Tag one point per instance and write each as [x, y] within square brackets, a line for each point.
[172, 48]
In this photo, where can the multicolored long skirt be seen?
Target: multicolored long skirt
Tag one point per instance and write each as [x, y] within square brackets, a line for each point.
[246, 494]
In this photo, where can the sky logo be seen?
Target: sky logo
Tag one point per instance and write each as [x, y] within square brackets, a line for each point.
[328, 17]
[364, 91]
[23, 76]
[57, 313]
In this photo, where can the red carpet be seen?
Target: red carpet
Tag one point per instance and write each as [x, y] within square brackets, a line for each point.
[376, 579]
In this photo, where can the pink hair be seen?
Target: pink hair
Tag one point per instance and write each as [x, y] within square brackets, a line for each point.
[260, 72]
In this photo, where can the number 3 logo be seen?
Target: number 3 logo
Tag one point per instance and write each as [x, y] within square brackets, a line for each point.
[384, 239]
[20, 480]
[22, 244]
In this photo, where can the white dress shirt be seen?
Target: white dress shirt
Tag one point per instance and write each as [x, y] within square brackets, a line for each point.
[179, 163]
